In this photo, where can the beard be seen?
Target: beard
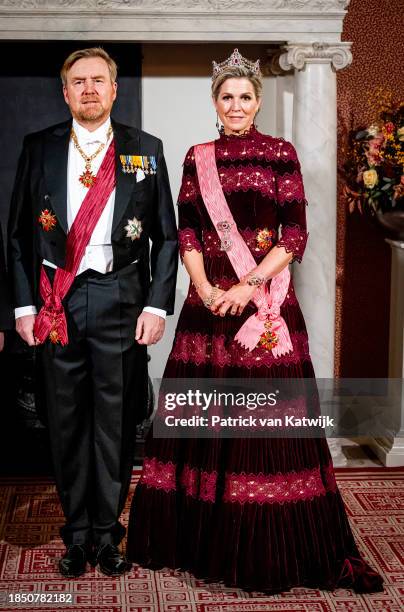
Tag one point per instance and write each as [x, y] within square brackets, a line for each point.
[91, 112]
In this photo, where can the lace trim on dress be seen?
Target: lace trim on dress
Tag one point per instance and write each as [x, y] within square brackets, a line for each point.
[188, 241]
[290, 188]
[278, 488]
[242, 488]
[245, 178]
[158, 474]
[199, 484]
[201, 349]
[293, 240]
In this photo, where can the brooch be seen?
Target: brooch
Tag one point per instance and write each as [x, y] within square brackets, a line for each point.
[225, 241]
[47, 219]
[265, 238]
[133, 229]
[133, 163]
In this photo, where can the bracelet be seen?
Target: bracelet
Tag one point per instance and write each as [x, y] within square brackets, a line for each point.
[211, 298]
[199, 285]
[255, 280]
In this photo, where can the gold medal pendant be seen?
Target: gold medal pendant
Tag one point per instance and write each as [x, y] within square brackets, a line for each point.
[87, 178]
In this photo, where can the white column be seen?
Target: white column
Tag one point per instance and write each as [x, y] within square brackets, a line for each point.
[315, 138]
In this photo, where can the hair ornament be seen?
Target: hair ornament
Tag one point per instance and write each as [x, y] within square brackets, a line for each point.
[235, 60]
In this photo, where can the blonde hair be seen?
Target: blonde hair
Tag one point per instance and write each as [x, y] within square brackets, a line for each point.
[237, 72]
[90, 52]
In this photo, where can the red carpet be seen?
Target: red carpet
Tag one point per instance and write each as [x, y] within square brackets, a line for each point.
[30, 547]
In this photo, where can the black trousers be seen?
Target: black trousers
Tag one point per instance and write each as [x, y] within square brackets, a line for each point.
[96, 389]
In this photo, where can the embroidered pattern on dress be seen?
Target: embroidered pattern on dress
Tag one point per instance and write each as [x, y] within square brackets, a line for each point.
[158, 474]
[189, 191]
[290, 188]
[294, 240]
[244, 178]
[188, 241]
[201, 349]
[278, 488]
[253, 145]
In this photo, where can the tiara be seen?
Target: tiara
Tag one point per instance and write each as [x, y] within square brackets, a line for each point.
[235, 59]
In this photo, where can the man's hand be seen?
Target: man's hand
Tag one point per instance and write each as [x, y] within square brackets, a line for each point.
[25, 328]
[1, 341]
[149, 328]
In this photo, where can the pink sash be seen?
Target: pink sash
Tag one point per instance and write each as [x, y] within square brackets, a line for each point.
[51, 320]
[242, 260]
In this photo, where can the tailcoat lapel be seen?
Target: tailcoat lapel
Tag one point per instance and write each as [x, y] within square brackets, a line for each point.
[125, 144]
[55, 164]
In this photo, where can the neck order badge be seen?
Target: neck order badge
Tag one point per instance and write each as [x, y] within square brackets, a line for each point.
[88, 178]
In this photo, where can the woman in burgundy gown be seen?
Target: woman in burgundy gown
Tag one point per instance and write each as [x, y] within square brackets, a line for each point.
[261, 514]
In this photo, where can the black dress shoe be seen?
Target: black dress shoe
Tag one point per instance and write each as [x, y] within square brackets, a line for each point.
[74, 561]
[111, 561]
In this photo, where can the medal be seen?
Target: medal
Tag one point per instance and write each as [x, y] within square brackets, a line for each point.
[133, 229]
[47, 219]
[268, 339]
[87, 178]
[132, 163]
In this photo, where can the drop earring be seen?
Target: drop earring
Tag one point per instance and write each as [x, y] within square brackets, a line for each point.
[220, 128]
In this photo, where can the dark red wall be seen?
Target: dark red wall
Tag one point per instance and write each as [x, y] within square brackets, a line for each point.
[363, 257]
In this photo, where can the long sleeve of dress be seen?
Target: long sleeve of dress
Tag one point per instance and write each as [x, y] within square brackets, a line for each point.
[291, 202]
[189, 223]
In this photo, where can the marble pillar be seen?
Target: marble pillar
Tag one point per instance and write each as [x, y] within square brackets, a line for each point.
[315, 138]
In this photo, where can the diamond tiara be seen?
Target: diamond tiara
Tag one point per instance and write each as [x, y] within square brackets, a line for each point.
[235, 60]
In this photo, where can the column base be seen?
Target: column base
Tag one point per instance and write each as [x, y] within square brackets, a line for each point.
[390, 451]
[338, 457]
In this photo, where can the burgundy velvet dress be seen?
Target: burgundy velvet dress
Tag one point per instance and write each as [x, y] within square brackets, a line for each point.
[261, 514]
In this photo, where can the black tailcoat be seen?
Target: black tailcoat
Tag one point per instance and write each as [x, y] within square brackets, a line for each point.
[41, 183]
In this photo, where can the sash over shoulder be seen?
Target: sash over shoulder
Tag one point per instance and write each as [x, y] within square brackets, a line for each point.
[267, 321]
[51, 320]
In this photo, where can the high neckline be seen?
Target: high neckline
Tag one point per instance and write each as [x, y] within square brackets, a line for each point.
[249, 134]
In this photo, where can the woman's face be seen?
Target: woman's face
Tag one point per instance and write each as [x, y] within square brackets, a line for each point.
[237, 105]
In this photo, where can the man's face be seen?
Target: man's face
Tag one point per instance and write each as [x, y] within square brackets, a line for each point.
[89, 91]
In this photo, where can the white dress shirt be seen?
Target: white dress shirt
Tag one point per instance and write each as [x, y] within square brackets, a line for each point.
[98, 254]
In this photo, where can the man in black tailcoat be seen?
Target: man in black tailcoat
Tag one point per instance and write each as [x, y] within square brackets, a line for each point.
[92, 311]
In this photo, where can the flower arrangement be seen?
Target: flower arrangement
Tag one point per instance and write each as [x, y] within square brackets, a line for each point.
[374, 166]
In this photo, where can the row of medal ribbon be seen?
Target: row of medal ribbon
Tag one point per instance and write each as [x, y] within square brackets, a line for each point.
[132, 163]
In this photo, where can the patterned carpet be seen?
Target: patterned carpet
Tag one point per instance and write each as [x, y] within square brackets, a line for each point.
[30, 547]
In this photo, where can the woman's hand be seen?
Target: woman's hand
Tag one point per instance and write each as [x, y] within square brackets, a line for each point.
[205, 291]
[235, 300]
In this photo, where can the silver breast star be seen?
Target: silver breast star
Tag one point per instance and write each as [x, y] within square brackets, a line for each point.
[133, 229]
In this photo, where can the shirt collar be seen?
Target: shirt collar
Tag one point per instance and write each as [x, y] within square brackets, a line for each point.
[85, 137]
